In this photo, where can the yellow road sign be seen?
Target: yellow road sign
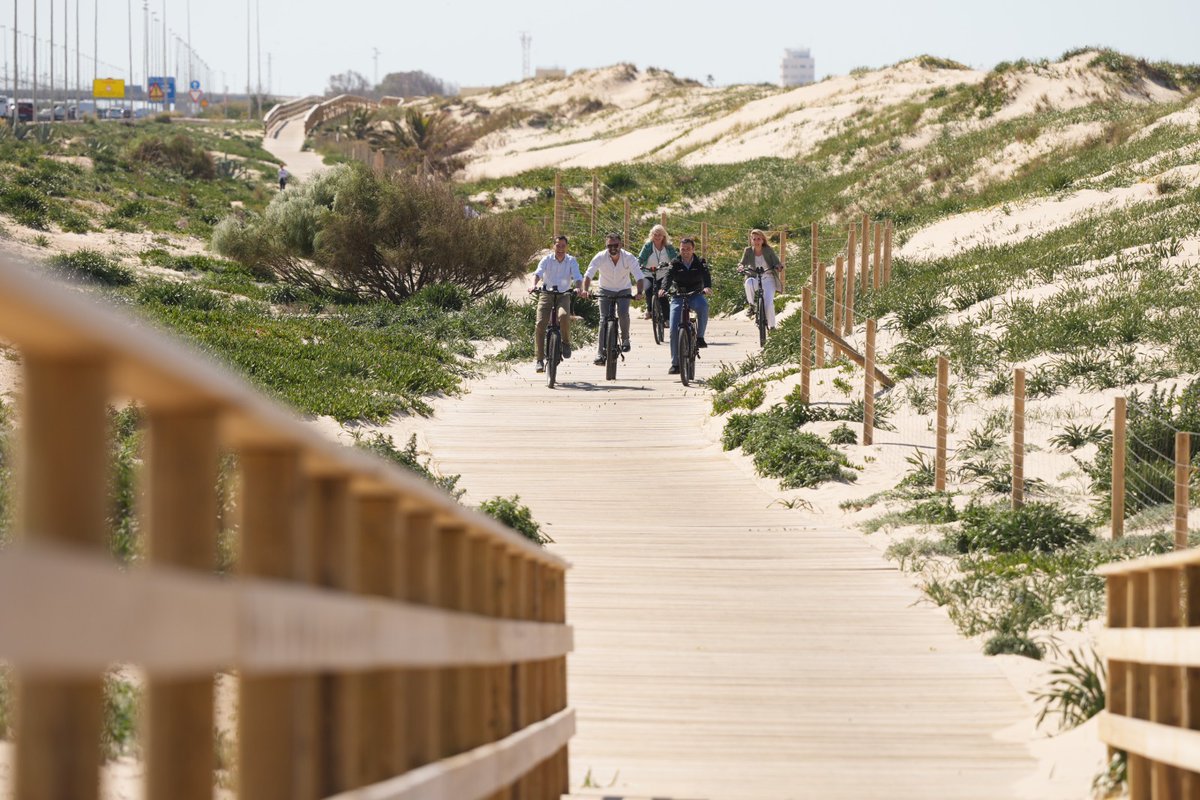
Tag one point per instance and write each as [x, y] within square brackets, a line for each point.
[108, 88]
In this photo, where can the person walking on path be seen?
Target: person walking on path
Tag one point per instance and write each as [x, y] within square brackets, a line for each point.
[620, 281]
[656, 256]
[688, 273]
[283, 176]
[557, 271]
[760, 255]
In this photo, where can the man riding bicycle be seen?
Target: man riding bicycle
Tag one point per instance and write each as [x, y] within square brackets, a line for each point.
[558, 271]
[620, 281]
[688, 273]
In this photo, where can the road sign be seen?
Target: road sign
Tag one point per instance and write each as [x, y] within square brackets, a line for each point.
[194, 86]
[159, 87]
[195, 95]
[108, 88]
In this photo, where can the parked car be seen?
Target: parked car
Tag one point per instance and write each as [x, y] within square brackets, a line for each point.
[25, 111]
[5, 107]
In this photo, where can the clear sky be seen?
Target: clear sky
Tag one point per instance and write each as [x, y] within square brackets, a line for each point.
[474, 42]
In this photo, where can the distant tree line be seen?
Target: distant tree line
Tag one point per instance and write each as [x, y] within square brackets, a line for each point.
[394, 84]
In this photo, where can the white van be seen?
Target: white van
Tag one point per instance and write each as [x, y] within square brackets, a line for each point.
[5, 107]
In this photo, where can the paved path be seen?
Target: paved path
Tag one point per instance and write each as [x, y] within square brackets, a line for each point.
[285, 142]
[725, 649]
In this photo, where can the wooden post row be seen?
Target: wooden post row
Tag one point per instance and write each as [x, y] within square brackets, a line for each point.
[868, 436]
[943, 391]
[1018, 439]
[877, 262]
[839, 291]
[1118, 468]
[865, 265]
[805, 345]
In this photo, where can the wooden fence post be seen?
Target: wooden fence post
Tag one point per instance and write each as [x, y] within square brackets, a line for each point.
[877, 262]
[839, 292]
[887, 253]
[868, 436]
[1165, 700]
[595, 199]
[704, 240]
[1118, 468]
[422, 732]
[783, 237]
[1018, 439]
[379, 518]
[1191, 675]
[821, 313]
[626, 228]
[180, 514]
[865, 265]
[272, 537]
[851, 255]
[814, 268]
[454, 564]
[943, 417]
[662, 218]
[558, 203]
[805, 344]
[1117, 610]
[1137, 680]
[64, 500]
[1183, 468]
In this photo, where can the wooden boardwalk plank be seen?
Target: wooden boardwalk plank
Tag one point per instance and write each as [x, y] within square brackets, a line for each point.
[724, 649]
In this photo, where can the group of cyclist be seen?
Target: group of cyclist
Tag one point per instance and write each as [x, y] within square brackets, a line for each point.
[663, 273]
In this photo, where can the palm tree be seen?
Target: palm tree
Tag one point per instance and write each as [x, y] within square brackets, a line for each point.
[358, 123]
[429, 143]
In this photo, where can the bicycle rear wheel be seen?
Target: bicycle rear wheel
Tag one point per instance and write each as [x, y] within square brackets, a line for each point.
[553, 355]
[611, 351]
[761, 313]
[656, 319]
[687, 355]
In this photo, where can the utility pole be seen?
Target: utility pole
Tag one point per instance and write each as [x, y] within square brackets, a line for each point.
[249, 51]
[129, 85]
[189, 47]
[35, 103]
[146, 51]
[526, 44]
[166, 64]
[258, 50]
[375, 50]
[51, 59]
[66, 55]
[96, 42]
[78, 62]
[16, 63]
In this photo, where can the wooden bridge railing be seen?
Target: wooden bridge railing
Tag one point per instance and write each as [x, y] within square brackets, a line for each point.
[281, 111]
[1152, 646]
[335, 107]
[382, 635]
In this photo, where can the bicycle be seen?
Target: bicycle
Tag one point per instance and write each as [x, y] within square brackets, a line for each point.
[760, 303]
[688, 347]
[553, 346]
[658, 320]
[610, 343]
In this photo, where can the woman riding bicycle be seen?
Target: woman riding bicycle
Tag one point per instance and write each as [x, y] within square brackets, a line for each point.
[760, 256]
[656, 256]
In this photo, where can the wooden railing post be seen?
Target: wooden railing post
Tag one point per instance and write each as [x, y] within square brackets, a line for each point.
[1137, 680]
[704, 240]
[851, 255]
[180, 515]
[865, 265]
[454, 564]
[1190, 692]
[943, 416]
[531, 677]
[379, 523]
[558, 203]
[271, 538]
[839, 294]
[64, 500]
[502, 687]
[1018, 439]
[1118, 468]
[887, 253]
[805, 345]
[868, 436]
[422, 696]
[1183, 466]
[558, 613]
[1117, 598]
[1165, 680]
[479, 602]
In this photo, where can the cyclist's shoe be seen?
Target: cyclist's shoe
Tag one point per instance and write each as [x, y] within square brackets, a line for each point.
[541, 366]
[674, 370]
[701, 343]
[625, 347]
[566, 350]
[750, 312]
[600, 361]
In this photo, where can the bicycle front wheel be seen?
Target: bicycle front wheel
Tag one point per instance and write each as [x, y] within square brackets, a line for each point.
[553, 355]
[656, 320]
[687, 355]
[611, 351]
[761, 313]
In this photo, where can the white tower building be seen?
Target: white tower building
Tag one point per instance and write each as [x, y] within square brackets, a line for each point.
[797, 67]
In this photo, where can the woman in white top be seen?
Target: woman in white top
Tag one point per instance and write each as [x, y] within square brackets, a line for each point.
[656, 256]
[759, 255]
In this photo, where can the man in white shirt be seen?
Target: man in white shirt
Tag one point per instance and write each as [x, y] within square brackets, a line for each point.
[557, 271]
[620, 281]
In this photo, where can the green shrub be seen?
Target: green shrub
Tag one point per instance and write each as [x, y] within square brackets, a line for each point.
[1013, 644]
[28, 206]
[1075, 692]
[125, 443]
[182, 295]
[798, 459]
[121, 701]
[443, 296]
[511, 512]
[5, 706]
[737, 428]
[93, 265]
[1042, 527]
[410, 458]
[843, 435]
[179, 153]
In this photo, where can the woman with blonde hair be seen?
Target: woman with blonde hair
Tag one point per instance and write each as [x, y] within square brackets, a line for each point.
[655, 258]
[760, 256]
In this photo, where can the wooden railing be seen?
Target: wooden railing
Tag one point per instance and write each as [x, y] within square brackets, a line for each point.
[382, 635]
[1152, 646]
[281, 111]
[335, 107]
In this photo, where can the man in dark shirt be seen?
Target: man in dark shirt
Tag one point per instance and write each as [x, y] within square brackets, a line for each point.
[688, 273]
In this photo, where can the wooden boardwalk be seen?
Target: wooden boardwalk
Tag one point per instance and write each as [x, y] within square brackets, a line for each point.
[726, 650]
